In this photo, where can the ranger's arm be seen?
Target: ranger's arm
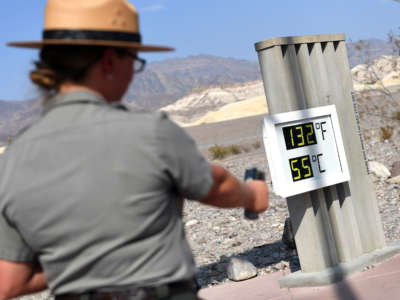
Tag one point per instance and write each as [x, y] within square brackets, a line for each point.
[20, 278]
[229, 192]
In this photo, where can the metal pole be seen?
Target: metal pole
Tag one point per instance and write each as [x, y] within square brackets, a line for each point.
[339, 223]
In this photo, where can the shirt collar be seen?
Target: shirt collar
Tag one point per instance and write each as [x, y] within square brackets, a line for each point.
[79, 97]
[76, 95]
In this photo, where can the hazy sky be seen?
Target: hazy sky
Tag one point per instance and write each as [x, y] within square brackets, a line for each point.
[226, 28]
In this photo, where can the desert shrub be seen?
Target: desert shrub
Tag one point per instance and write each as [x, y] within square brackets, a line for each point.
[218, 152]
[234, 149]
[256, 145]
[386, 132]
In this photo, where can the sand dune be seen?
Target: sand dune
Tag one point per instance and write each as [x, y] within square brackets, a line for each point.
[240, 109]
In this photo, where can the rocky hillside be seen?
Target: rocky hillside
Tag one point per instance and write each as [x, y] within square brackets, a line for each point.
[164, 82]
[383, 70]
[198, 103]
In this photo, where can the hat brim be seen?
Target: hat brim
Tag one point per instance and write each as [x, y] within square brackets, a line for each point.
[120, 44]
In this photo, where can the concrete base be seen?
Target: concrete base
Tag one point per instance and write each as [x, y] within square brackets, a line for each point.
[341, 271]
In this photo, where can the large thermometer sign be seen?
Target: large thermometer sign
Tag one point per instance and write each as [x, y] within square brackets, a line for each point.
[304, 150]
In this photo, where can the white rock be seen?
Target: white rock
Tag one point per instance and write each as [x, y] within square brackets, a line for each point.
[394, 180]
[191, 222]
[240, 269]
[378, 169]
[228, 241]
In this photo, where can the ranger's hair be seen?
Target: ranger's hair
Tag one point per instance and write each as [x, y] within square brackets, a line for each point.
[59, 64]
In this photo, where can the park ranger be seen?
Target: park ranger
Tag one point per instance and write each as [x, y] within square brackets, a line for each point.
[91, 195]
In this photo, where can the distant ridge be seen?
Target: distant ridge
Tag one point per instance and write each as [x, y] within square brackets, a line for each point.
[165, 82]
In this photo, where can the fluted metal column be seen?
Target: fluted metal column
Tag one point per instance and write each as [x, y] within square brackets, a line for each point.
[339, 223]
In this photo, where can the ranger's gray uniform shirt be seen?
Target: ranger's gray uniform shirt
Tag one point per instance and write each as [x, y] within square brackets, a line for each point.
[96, 194]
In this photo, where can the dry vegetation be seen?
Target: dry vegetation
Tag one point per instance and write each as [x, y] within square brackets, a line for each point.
[220, 152]
[386, 132]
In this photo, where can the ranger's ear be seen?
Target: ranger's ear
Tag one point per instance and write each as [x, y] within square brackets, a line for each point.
[108, 61]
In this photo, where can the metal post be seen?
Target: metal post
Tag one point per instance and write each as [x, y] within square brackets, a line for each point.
[339, 223]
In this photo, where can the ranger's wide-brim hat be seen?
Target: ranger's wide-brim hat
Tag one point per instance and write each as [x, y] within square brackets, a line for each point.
[112, 23]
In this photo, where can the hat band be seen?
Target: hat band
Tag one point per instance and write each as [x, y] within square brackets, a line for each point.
[94, 35]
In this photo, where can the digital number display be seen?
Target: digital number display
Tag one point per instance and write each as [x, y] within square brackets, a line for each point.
[300, 135]
[301, 168]
[305, 150]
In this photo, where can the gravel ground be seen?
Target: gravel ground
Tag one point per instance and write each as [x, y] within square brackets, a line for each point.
[216, 235]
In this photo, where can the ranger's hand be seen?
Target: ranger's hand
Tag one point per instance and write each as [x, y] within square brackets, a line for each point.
[229, 192]
[259, 200]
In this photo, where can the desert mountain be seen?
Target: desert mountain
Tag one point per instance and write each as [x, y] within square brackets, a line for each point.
[164, 82]
[180, 79]
[223, 103]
